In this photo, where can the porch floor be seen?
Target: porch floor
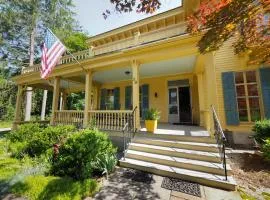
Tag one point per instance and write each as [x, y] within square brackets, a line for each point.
[170, 129]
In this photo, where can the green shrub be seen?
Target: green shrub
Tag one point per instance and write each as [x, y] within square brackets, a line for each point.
[266, 149]
[24, 133]
[78, 155]
[262, 130]
[33, 140]
[152, 114]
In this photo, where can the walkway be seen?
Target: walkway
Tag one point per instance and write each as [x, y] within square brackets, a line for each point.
[122, 186]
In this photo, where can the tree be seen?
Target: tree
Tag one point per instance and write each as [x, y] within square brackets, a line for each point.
[246, 20]
[141, 6]
[23, 23]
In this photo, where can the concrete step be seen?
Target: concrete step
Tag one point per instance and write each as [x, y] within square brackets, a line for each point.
[209, 147]
[202, 139]
[180, 173]
[202, 166]
[176, 152]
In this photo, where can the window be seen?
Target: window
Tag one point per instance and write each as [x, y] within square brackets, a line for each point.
[247, 95]
[110, 100]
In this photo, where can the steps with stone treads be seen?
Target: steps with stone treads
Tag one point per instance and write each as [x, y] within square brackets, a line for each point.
[187, 159]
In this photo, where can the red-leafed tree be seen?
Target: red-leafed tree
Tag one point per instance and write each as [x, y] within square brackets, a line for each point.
[141, 6]
[247, 20]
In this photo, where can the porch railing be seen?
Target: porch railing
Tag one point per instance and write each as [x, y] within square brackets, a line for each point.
[80, 55]
[221, 140]
[113, 120]
[69, 117]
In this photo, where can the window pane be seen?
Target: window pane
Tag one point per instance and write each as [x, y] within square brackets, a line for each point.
[252, 90]
[240, 90]
[239, 78]
[251, 76]
[242, 103]
[173, 96]
[255, 115]
[254, 103]
[243, 115]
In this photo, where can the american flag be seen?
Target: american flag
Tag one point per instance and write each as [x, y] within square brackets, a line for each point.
[52, 51]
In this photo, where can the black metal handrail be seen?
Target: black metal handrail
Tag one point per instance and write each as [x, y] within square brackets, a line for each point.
[128, 129]
[221, 140]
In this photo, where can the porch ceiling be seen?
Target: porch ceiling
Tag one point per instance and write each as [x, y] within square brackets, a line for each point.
[161, 68]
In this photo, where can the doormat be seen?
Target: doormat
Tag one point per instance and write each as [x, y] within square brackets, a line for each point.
[181, 186]
[138, 176]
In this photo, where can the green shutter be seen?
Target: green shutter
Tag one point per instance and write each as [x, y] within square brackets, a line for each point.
[128, 98]
[103, 95]
[145, 99]
[116, 94]
[230, 101]
[265, 85]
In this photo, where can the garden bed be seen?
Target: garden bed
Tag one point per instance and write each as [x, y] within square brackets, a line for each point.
[54, 162]
[252, 174]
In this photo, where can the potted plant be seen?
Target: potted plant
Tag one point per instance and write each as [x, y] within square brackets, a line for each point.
[152, 115]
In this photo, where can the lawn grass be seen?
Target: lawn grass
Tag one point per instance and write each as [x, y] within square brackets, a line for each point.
[41, 187]
[5, 124]
[35, 187]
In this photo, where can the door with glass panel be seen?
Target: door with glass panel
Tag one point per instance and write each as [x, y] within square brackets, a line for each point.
[173, 105]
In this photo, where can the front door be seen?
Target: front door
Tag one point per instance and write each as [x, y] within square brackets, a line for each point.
[180, 105]
[184, 105]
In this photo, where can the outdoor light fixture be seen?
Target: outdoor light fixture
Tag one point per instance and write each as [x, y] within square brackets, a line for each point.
[156, 94]
[127, 73]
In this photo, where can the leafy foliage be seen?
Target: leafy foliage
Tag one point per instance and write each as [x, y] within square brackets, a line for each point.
[78, 155]
[262, 130]
[33, 140]
[76, 41]
[152, 114]
[266, 149]
[105, 163]
[220, 20]
[141, 6]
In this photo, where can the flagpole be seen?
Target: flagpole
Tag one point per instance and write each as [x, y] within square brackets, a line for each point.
[68, 50]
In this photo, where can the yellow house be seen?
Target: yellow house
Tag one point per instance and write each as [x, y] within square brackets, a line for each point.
[154, 63]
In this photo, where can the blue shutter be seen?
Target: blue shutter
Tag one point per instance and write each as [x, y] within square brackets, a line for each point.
[103, 99]
[145, 99]
[265, 85]
[128, 96]
[230, 102]
[116, 94]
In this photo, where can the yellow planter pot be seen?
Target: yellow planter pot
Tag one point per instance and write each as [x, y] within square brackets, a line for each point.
[151, 125]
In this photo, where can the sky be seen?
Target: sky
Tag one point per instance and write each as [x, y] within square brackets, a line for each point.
[89, 15]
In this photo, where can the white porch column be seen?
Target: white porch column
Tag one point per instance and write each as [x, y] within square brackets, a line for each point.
[201, 91]
[211, 90]
[136, 92]
[43, 108]
[17, 115]
[28, 105]
[56, 86]
[64, 100]
[88, 92]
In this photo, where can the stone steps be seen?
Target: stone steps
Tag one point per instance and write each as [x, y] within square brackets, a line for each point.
[209, 167]
[209, 147]
[176, 152]
[180, 173]
[189, 158]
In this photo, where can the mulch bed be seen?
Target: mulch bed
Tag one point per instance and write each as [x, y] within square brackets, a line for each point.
[252, 173]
